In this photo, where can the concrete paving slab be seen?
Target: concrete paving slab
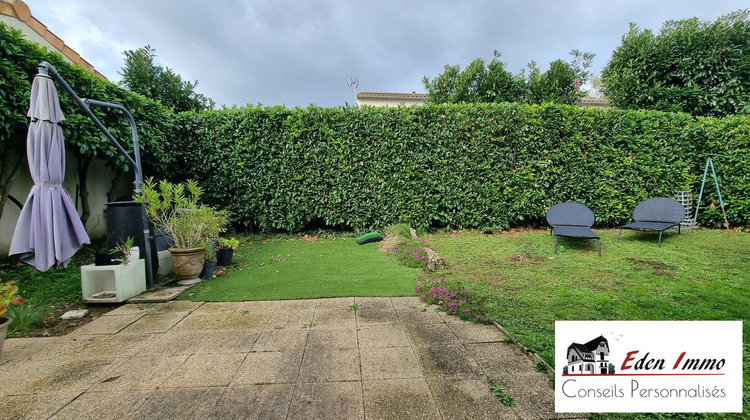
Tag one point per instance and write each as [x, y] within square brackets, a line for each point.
[288, 317]
[422, 315]
[158, 295]
[179, 403]
[469, 399]
[281, 340]
[406, 303]
[452, 361]
[23, 374]
[334, 338]
[203, 370]
[240, 341]
[509, 366]
[269, 368]
[35, 348]
[201, 322]
[144, 373]
[377, 316]
[103, 405]
[331, 316]
[469, 332]
[75, 314]
[173, 343]
[389, 363]
[331, 400]
[111, 324]
[118, 345]
[448, 319]
[218, 307]
[264, 306]
[253, 402]
[235, 364]
[156, 322]
[330, 365]
[179, 306]
[378, 335]
[425, 335]
[399, 399]
[244, 319]
[133, 308]
[340, 302]
[75, 375]
[35, 406]
[374, 303]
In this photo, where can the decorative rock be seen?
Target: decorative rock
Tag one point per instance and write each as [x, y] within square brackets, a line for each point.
[77, 314]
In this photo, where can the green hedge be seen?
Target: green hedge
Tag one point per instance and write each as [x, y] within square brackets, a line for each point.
[19, 60]
[480, 165]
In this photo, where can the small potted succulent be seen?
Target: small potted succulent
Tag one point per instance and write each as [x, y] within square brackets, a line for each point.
[125, 250]
[226, 250]
[8, 290]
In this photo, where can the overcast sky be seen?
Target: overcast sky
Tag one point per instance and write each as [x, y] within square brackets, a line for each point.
[298, 52]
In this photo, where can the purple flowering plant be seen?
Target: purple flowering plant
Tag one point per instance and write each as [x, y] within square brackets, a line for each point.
[454, 299]
[411, 254]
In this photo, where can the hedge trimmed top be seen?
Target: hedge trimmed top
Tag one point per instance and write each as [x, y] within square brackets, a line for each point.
[463, 165]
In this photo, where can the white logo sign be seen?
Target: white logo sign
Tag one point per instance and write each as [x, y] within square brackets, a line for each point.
[648, 366]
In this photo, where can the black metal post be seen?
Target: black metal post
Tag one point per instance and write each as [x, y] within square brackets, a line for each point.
[46, 69]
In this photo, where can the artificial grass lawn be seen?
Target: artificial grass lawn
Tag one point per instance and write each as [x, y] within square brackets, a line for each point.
[701, 275]
[270, 269]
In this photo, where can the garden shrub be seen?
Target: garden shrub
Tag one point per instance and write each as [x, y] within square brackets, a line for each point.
[453, 298]
[488, 166]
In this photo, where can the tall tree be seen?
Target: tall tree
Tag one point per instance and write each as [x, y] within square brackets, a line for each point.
[140, 74]
[702, 68]
[481, 82]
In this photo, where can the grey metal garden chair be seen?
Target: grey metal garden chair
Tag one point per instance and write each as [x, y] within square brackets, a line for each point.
[657, 214]
[572, 220]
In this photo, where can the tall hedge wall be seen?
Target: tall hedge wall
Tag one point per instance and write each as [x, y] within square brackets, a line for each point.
[19, 60]
[481, 165]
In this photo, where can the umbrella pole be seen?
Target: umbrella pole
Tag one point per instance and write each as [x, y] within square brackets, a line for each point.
[46, 69]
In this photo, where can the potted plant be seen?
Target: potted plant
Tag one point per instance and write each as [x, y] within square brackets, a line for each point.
[124, 249]
[175, 209]
[226, 250]
[8, 290]
[209, 262]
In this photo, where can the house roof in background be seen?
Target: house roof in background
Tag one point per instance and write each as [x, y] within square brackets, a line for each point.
[19, 10]
[391, 95]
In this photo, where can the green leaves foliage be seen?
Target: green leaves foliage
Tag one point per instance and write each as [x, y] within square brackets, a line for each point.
[140, 74]
[702, 68]
[480, 82]
[19, 60]
[452, 166]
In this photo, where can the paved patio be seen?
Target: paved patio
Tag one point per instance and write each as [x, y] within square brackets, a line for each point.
[392, 358]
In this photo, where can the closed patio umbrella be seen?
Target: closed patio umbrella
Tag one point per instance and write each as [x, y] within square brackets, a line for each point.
[49, 231]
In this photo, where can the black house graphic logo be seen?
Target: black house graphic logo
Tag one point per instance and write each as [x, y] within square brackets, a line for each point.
[591, 358]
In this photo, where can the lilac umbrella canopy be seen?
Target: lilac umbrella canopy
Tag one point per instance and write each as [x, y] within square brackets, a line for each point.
[49, 231]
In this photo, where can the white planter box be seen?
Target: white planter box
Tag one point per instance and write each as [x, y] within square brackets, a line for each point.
[113, 283]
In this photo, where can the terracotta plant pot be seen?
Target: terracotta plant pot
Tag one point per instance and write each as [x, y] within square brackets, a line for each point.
[188, 264]
[4, 322]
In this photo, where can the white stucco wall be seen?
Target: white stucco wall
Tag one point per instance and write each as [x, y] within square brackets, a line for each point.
[99, 175]
[390, 102]
[99, 182]
[30, 34]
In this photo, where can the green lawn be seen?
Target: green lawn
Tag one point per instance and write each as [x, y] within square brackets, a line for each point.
[702, 275]
[268, 269]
